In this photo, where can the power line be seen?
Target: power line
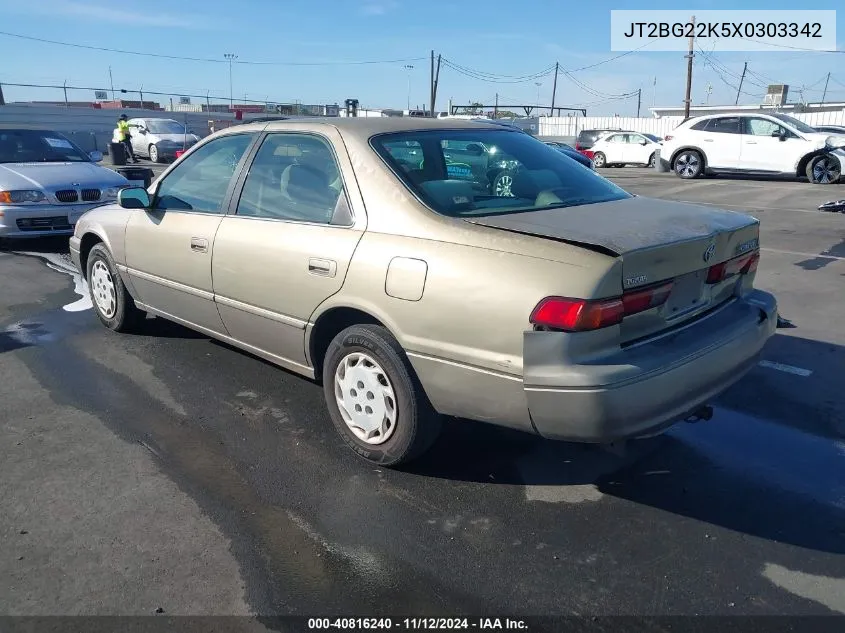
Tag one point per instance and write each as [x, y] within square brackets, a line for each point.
[209, 60]
[493, 77]
[610, 59]
[794, 48]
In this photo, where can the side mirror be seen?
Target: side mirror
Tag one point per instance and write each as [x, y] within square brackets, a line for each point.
[96, 156]
[643, 142]
[133, 198]
[142, 130]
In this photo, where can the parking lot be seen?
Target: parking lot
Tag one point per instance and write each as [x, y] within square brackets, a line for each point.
[169, 472]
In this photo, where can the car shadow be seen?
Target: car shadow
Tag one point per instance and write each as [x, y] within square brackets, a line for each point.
[52, 244]
[158, 327]
[745, 472]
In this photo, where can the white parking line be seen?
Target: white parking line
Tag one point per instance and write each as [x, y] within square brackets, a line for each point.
[789, 369]
[800, 254]
[745, 207]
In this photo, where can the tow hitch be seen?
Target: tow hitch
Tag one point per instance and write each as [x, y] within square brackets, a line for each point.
[702, 414]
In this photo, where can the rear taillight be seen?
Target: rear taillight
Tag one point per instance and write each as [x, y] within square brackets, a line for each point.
[580, 315]
[737, 266]
[588, 153]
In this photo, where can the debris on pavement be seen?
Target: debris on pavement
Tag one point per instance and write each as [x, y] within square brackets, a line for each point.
[833, 206]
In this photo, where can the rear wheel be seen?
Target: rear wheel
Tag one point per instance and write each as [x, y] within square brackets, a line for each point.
[599, 160]
[689, 164]
[824, 170]
[374, 397]
[650, 162]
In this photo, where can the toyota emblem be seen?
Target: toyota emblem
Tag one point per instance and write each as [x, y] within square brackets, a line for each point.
[708, 254]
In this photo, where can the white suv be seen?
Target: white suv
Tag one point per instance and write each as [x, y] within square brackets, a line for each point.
[753, 143]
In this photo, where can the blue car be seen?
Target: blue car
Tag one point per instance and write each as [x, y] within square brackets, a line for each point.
[570, 151]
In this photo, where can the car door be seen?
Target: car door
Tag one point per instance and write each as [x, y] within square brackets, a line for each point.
[722, 142]
[170, 245]
[762, 147]
[613, 147]
[285, 247]
[137, 137]
[638, 149]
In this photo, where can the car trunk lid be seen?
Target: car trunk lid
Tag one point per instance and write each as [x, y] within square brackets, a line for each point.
[659, 242]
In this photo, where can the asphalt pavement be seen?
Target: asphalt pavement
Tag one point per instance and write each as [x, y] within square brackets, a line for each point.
[165, 471]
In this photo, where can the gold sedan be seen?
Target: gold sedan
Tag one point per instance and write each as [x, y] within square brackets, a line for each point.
[422, 268]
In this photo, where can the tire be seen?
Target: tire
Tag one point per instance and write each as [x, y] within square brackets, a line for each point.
[152, 150]
[689, 164]
[650, 162]
[415, 423]
[113, 304]
[599, 160]
[502, 184]
[824, 170]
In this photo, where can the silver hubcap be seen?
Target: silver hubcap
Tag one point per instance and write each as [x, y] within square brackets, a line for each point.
[687, 165]
[825, 172]
[153, 153]
[503, 186]
[365, 398]
[102, 289]
[598, 160]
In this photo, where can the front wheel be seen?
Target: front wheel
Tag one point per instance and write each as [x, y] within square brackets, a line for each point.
[503, 184]
[153, 153]
[689, 164]
[599, 160]
[824, 170]
[375, 399]
[112, 302]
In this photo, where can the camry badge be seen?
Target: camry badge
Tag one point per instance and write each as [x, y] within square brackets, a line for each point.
[708, 254]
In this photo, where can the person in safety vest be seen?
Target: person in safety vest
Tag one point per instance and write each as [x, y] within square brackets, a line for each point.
[125, 136]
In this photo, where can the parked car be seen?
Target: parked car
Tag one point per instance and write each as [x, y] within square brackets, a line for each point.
[586, 138]
[624, 148]
[571, 309]
[774, 144]
[570, 151]
[830, 129]
[47, 182]
[160, 139]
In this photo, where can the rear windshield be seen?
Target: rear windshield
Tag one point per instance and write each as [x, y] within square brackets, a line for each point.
[465, 173]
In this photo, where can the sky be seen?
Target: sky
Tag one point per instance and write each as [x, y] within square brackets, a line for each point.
[299, 43]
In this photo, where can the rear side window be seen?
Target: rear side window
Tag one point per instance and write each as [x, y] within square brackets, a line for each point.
[724, 125]
[477, 172]
[701, 125]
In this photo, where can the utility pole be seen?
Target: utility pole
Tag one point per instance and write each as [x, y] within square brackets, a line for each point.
[436, 82]
[639, 100]
[496, 107]
[64, 85]
[538, 84]
[431, 95]
[741, 79]
[554, 90]
[111, 81]
[409, 68]
[709, 90]
[689, 69]
[2, 99]
[231, 57]
[654, 91]
[824, 94]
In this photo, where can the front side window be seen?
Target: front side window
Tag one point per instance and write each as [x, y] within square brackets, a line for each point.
[295, 177]
[200, 182]
[537, 176]
[762, 127]
[795, 123]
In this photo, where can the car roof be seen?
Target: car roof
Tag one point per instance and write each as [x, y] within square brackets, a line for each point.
[366, 127]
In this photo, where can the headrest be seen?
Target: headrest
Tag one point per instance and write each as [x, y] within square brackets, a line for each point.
[301, 183]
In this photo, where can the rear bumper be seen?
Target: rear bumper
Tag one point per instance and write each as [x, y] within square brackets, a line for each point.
[645, 387]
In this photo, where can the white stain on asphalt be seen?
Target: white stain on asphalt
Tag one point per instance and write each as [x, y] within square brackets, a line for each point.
[789, 369]
[825, 590]
[58, 263]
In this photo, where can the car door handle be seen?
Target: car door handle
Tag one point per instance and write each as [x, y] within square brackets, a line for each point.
[199, 245]
[322, 267]
[751, 142]
[708, 140]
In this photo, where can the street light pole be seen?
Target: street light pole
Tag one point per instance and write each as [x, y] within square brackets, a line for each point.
[231, 57]
[538, 84]
[409, 68]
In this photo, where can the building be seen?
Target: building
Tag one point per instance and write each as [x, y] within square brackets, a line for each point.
[787, 108]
